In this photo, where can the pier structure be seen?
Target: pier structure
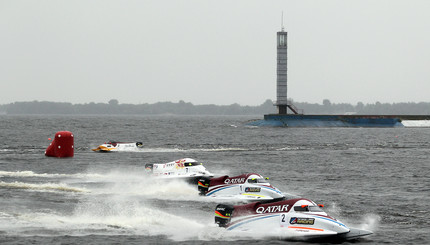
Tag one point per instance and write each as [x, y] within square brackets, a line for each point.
[298, 119]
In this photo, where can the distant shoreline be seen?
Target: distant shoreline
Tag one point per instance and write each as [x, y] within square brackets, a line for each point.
[113, 107]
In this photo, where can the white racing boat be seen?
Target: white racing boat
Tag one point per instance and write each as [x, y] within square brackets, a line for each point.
[113, 146]
[183, 169]
[290, 219]
[249, 186]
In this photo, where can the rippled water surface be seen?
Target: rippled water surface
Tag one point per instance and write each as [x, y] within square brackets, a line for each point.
[376, 179]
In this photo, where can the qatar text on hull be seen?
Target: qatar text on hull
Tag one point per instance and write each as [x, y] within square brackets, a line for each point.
[187, 169]
[113, 146]
[297, 218]
[250, 186]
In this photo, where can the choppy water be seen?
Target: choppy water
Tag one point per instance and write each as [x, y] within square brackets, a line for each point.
[376, 179]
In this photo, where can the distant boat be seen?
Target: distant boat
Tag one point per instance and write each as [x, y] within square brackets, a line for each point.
[186, 169]
[113, 146]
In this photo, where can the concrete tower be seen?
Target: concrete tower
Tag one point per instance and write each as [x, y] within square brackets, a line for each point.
[281, 72]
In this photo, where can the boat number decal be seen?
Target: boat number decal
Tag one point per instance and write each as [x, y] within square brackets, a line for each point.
[252, 189]
[283, 219]
[302, 221]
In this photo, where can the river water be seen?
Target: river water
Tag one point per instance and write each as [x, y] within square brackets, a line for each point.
[371, 178]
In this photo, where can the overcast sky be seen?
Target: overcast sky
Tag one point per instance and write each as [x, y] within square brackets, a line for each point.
[213, 52]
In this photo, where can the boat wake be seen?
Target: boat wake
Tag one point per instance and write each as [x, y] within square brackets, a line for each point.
[24, 174]
[369, 222]
[103, 217]
[50, 187]
[125, 203]
[169, 150]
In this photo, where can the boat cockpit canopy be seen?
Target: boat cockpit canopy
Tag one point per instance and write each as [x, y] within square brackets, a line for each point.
[188, 164]
[307, 208]
[257, 180]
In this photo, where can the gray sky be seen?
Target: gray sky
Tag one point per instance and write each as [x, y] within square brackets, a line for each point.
[213, 52]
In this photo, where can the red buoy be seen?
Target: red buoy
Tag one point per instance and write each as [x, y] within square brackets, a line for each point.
[61, 146]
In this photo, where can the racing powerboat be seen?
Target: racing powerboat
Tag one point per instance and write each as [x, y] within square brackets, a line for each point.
[250, 186]
[289, 219]
[183, 169]
[113, 146]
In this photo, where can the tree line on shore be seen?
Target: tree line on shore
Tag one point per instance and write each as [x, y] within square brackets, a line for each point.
[187, 108]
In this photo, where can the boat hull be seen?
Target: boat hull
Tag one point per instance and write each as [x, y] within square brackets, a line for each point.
[186, 169]
[118, 147]
[246, 187]
[288, 219]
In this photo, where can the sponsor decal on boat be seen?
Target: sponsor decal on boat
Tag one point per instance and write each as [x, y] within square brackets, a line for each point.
[234, 181]
[302, 221]
[272, 209]
[252, 189]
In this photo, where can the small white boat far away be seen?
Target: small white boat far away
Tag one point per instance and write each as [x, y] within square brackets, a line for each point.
[184, 169]
[113, 146]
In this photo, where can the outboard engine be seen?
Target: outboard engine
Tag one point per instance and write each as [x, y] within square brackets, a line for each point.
[223, 214]
[203, 185]
[148, 167]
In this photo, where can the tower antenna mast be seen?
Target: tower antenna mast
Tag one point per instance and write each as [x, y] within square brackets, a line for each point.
[282, 21]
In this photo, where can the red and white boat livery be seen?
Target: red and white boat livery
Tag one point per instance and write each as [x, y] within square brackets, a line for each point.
[297, 218]
[250, 186]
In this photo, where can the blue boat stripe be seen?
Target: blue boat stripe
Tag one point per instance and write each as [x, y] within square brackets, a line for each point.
[269, 216]
[319, 217]
[251, 220]
[223, 188]
[272, 189]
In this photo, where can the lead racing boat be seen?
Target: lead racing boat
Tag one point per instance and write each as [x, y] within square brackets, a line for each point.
[186, 169]
[289, 219]
[113, 146]
[250, 186]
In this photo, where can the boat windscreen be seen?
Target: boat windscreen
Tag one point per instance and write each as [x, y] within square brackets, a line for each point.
[306, 208]
[187, 164]
[257, 180]
[315, 209]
